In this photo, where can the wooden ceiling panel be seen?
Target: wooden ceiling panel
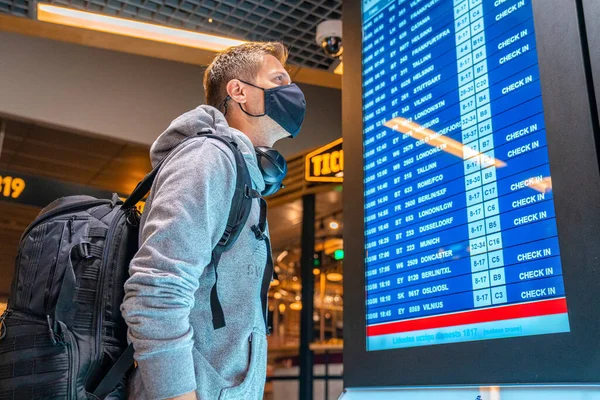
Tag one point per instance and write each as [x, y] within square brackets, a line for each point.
[67, 157]
[97, 146]
[132, 159]
[122, 185]
[16, 128]
[51, 169]
[11, 143]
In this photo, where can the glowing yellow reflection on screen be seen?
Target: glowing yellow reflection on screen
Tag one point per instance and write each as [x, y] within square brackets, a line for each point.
[443, 142]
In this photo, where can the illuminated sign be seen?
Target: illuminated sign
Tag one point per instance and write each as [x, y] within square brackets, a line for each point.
[39, 192]
[11, 187]
[325, 164]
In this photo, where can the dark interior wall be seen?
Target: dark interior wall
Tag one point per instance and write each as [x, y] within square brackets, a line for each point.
[121, 95]
[14, 218]
[591, 9]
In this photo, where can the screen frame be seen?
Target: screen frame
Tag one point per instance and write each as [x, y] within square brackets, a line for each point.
[576, 181]
[591, 12]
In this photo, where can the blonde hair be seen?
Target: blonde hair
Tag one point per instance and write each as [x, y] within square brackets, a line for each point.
[238, 62]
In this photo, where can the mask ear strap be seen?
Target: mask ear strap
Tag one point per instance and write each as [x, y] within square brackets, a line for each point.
[251, 115]
[252, 84]
[224, 104]
[242, 108]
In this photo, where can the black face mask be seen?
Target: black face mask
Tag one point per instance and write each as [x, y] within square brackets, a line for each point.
[285, 105]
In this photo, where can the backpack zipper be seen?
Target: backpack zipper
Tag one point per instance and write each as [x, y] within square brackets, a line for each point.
[32, 267]
[100, 290]
[50, 281]
[71, 227]
[3, 328]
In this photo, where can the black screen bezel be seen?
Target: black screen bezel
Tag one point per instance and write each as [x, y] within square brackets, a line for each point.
[556, 358]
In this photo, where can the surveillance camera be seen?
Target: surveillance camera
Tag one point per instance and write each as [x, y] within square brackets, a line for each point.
[329, 37]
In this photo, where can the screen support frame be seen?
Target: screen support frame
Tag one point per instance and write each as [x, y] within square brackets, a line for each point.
[557, 358]
[591, 45]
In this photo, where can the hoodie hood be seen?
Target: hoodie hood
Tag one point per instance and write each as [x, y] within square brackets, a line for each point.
[206, 119]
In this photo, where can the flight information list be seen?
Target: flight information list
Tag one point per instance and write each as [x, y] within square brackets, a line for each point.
[460, 231]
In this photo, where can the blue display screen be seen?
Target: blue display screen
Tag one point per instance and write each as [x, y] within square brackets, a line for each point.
[460, 230]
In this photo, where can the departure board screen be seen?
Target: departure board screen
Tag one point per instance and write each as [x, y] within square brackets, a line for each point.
[460, 230]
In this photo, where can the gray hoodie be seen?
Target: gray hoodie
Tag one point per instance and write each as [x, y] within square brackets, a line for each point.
[166, 305]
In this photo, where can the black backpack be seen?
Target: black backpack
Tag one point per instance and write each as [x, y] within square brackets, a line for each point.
[62, 335]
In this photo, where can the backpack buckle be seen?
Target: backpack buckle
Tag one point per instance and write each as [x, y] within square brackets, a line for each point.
[3, 328]
[225, 237]
[83, 249]
[250, 193]
[52, 328]
[260, 235]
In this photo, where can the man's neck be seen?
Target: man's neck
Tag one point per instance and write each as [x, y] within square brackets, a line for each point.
[257, 138]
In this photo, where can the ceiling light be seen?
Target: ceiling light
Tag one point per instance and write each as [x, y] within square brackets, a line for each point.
[297, 306]
[334, 225]
[125, 27]
[275, 282]
[282, 256]
[282, 308]
[278, 295]
[298, 298]
[316, 271]
[334, 277]
[295, 278]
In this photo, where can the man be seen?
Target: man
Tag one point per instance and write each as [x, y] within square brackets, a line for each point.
[180, 355]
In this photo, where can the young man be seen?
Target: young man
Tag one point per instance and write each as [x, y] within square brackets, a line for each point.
[180, 354]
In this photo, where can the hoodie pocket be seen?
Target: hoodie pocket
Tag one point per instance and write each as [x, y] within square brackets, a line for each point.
[253, 385]
[209, 381]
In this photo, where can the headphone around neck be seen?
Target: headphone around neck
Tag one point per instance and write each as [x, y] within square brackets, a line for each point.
[273, 168]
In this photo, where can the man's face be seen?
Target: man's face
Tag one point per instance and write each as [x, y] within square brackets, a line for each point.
[271, 74]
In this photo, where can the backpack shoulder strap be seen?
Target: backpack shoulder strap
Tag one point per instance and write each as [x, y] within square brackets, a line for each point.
[238, 214]
[241, 205]
[242, 198]
[144, 186]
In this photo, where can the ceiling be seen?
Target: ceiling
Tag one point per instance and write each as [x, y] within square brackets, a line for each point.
[292, 22]
[86, 160]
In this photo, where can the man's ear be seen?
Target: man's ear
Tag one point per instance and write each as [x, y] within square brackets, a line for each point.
[236, 91]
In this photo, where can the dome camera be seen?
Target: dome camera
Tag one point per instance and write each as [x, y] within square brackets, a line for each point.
[329, 37]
